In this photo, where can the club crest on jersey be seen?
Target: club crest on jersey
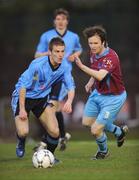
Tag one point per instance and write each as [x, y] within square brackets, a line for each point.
[35, 77]
[107, 63]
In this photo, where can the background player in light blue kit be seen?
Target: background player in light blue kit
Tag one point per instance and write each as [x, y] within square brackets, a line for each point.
[73, 48]
[109, 93]
[32, 94]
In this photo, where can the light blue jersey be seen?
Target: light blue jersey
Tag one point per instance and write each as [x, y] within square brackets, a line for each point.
[72, 44]
[71, 40]
[39, 78]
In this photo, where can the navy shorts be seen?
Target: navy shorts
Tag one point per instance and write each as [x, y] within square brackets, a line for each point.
[37, 106]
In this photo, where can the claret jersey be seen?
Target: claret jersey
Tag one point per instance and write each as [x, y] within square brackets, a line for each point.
[112, 83]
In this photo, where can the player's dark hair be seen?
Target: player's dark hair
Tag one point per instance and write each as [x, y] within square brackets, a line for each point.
[57, 41]
[61, 11]
[96, 30]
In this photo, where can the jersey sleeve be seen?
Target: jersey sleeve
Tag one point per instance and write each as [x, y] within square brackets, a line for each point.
[28, 78]
[68, 80]
[109, 64]
[78, 46]
[43, 44]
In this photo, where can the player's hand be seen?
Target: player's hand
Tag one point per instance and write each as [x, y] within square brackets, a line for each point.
[71, 58]
[88, 87]
[78, 62]
[67, 107]
[23, 114]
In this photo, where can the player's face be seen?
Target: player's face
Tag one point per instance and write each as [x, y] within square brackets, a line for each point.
[61, 22]
[57, 54]
[96, 44]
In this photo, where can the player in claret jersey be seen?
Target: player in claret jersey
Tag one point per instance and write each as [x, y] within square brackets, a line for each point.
[108, 95]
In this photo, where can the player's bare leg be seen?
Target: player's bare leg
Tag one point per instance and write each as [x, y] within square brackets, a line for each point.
[49, 121]
[22, 128]
[64, 136]
[97, 130]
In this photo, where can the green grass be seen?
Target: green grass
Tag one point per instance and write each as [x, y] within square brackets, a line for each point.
[123, 163]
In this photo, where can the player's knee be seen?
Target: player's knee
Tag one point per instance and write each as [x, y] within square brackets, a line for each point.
[54, 132]
[23, 132]
[95, 131]
[86, 123]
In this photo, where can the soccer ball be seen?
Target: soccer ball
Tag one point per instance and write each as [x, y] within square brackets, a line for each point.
[43, 159]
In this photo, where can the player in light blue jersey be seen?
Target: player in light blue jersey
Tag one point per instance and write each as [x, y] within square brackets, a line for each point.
[73, 48]
[32, 94]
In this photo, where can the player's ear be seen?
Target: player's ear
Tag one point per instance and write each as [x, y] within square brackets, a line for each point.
[67, 22]
[54, 23]
[103, 43]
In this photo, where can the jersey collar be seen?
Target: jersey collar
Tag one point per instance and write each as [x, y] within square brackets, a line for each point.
[52, 67]
[61, 35]
[106, 51]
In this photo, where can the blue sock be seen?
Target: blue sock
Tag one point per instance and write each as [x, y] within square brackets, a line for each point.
[21, 139]
[51, 143]
[116, 130]
[102, 143]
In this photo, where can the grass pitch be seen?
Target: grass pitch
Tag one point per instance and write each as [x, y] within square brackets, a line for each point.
[122, 164]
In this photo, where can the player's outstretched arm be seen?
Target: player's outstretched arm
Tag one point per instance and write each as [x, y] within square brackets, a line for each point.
[99, 75]
[73, 56]
[88, 86]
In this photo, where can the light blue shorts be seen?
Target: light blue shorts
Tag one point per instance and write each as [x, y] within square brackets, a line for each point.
[104, 108]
